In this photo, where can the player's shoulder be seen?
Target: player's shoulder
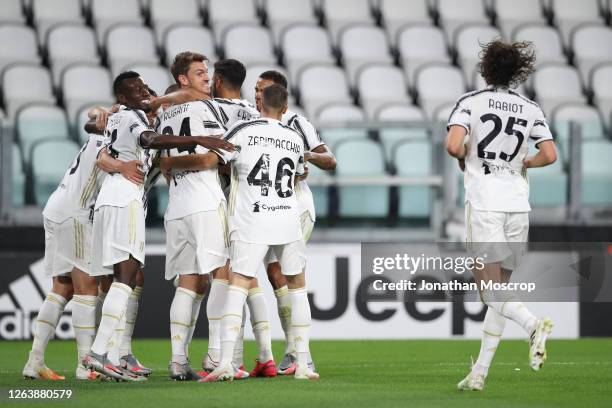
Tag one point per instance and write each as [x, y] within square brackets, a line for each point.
[241, 125]
[468, 97]
[532, 104]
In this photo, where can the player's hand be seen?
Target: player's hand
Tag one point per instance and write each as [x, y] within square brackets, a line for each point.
[527, 162]
[164, 167]
[304, 175]
[131, 171]
[115, 108]
[461, 163]
[216, 144]
[307, 156]
[101, 119]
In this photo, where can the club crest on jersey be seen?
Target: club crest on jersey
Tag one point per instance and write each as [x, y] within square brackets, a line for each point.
[256, 206]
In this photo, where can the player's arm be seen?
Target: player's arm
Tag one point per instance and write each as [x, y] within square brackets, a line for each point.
[547, 154]
[152, 140]
[129, 170]
[98, 116]
[455, 141]
[177, 98]
[321, 157]
[193, 162]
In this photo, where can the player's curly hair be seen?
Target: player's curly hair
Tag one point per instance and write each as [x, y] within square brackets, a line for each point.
[506, 64]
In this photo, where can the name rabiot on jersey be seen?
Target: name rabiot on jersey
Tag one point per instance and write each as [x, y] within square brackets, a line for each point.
[77, 192]
[499, 123]
[192, 191]
[263, 207]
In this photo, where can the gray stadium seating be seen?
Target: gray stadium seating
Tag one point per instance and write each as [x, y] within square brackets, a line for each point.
[39, 122]
[68, 44]
[47, 173]
[194, 38]
[23, 84]
[414, 201]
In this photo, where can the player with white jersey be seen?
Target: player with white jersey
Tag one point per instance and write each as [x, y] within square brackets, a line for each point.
[264, 218]
[68, 225]
[119, 222]
[317, 153]
[498, 123]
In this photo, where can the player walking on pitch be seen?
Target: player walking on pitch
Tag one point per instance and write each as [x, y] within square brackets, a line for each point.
[498, 122]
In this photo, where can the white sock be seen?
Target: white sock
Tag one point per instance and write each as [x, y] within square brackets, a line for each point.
[492, 330]
[300, 324]
[195, 312]
[99, 302]
[231, 322]
[112, 312]
[260, 324]
[512, 308]
[283, 303]
[214, 311]
[238, 358]
[131, 313]
[180, 321]
[115, 342]
[84, 323]
[46, 322]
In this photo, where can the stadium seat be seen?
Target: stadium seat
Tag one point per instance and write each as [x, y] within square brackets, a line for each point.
[591, 45]
[189, 38]
[161, 190]
[303, 44]
[512, 13]
[283, 14]
[338, 113]
[419, 45]
[47, 13]
[225, 13]
[11, 11]
[453, 14]
[588, 117]
[128, 44]
[568, 14]
[68, 44]
[597, 173]
[467, 44]
[601, 86]
[360, 45]
[438, 84]
[340, 13]
[155, 76]
[81, 120]
[249, 43]
[18, 177]
[361, 158]
[403, 115]
[320, 84]
[107, 13]
[546, 40]
[395, 14]
[548, 185]
[40, 122]
[320, 193]
[84, 84]
[46, 173]
[413, 158]
[252, 75]
[379, 84]
[23, 84]
[18, 45]
[546, 85]
[165, 13]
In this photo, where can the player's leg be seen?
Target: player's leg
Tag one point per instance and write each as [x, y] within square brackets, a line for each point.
[84, 318]
[195, 311]
[46, 322]
[104, 285]
[214, 311]
[265, 366]
[283, 306]
[293, 264]
[127, 359]
[245, 260]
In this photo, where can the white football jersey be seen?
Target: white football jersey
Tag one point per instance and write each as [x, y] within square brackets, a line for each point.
[123, 130]
[312, 140]
[192, 191]
[262, 207]
[499, 123]
[230, 111]
[77, 192]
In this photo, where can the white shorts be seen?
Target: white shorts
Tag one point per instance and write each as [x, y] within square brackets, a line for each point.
[246, 258]
[307, 227]
[118, 233]
[497, 236]
[67, 246]
[197, 243]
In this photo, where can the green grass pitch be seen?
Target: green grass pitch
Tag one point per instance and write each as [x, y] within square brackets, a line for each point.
[353, 374]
